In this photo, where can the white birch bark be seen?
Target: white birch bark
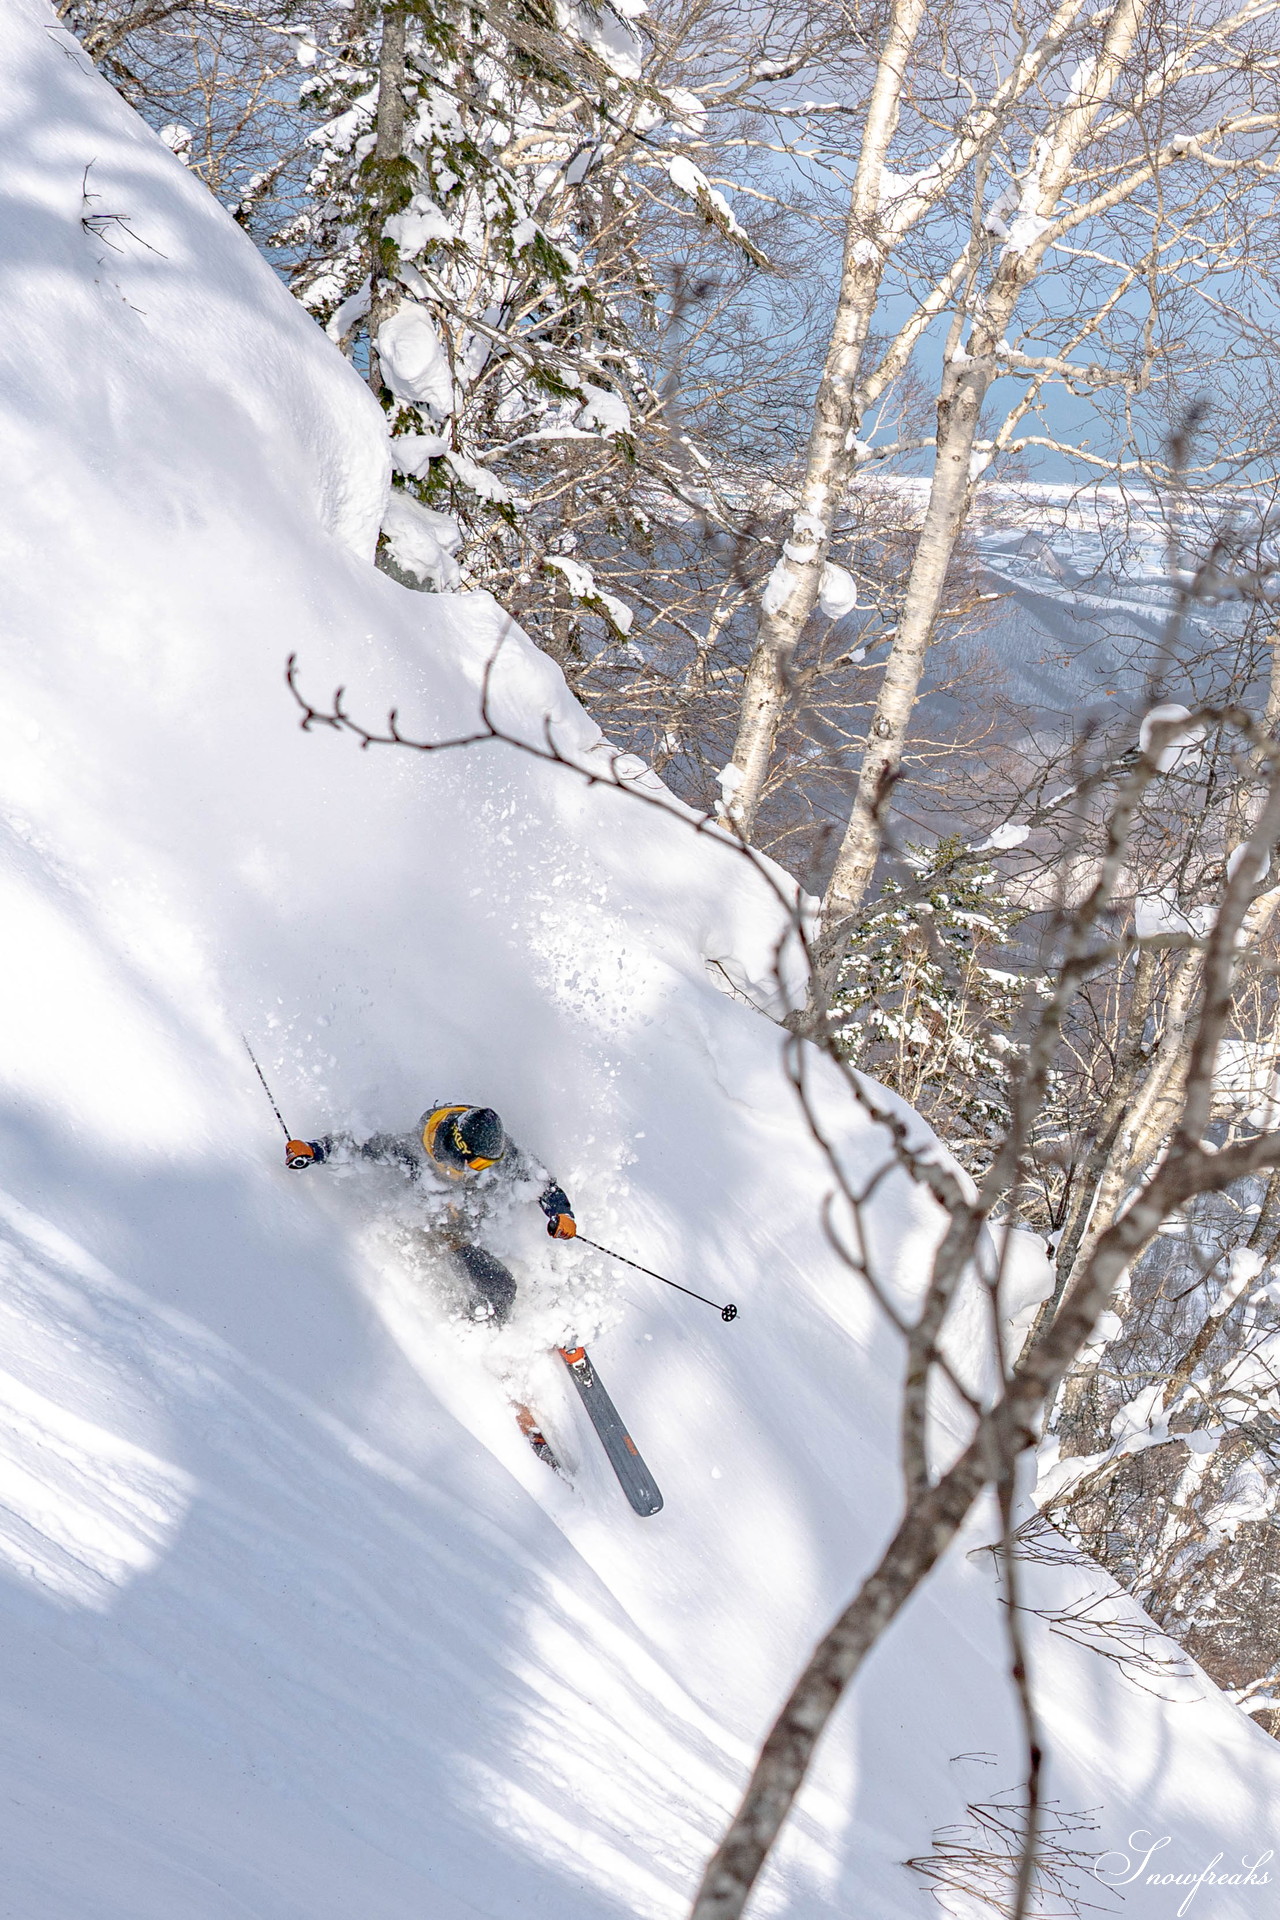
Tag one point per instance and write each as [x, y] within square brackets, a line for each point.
[877, 223]
[792, 589]
[966, 379]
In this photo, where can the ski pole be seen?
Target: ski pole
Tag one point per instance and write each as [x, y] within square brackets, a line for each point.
[726, 1313]
[271, 1097]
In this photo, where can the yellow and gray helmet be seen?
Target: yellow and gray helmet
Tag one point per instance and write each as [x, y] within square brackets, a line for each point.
[458, 1137]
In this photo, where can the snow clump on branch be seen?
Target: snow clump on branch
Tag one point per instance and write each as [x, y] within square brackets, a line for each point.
[1170, 748]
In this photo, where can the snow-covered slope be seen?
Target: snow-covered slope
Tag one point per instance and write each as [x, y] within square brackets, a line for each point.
[294, 1622]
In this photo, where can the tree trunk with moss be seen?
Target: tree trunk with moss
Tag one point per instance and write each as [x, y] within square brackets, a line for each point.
[390, 184]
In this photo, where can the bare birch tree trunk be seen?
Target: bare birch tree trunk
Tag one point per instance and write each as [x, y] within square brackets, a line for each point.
[1271, 715]
[966, 380]
[882, 210]
[1145, 1124]
[792, 590]
[931, 1521]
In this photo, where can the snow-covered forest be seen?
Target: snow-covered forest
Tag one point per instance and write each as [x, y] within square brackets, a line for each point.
[642, 692]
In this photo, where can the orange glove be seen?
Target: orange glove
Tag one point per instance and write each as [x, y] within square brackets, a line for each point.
[562, 1226]
[301, 1153]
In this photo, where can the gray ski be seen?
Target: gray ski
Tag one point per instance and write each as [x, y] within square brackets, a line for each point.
[634, 1476]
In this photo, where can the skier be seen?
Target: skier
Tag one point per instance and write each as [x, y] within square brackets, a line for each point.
[463, 1162]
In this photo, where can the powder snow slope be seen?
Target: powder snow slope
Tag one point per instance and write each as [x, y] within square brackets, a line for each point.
[294, 1622]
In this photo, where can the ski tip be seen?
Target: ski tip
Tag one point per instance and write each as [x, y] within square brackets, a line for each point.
[538, 1440]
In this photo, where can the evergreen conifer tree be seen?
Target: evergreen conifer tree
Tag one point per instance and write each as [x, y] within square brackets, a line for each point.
[922, 1007]
[470, 236]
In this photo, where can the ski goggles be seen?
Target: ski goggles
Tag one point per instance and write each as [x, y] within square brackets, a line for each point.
[478, 1165]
